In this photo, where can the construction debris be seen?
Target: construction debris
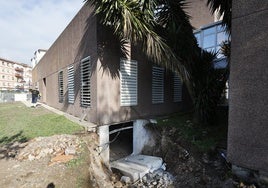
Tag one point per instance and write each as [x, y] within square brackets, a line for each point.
[44, 146]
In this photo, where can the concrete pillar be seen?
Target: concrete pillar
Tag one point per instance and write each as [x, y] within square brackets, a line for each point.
[104, 148]
[140, 136]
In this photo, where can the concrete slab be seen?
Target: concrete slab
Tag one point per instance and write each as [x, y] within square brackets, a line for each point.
[136, 166]
[151, 162]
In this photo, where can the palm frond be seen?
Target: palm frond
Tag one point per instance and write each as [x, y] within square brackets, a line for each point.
[224, 8]
[134, 20]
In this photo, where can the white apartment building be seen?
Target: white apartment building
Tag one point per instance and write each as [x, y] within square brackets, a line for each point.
[14, 75]
[38, 54]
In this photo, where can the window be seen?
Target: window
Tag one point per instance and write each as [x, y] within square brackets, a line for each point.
[60, 86]
[157, 85]
[85, 82]
[210, 38]
[177, 85]
[129, 82]
[71, 84]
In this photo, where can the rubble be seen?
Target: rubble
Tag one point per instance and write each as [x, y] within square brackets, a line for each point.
[159, 178]
[46, 146]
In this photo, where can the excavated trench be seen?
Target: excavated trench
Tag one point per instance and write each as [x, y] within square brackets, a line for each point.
[121, 142]
[124, 142]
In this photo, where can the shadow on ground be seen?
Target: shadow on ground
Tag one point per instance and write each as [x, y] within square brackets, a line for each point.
[10, 146]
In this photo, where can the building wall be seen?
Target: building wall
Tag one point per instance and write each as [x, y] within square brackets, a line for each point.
[248, 114]
[83, 38]
[109, 109]
[108, 89]
[76, 42]
[199, 12]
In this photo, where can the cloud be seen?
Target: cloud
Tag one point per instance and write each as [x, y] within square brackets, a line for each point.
[28, 25]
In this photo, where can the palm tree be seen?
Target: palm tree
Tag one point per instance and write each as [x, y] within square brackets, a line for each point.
[224, 9]
[139, 21]
[163, 29]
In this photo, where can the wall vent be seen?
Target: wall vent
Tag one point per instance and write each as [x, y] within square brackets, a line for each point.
[71, 84]
[85, 82]
[177, 84]
[60, 86]
[157, 85]
[128, 82]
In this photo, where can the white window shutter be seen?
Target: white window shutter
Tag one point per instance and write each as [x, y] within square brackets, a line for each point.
[71, 84]
[85, 73]
[128, 82]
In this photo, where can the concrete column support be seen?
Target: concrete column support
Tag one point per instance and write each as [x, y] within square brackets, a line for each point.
[103, 132]
[140, 136]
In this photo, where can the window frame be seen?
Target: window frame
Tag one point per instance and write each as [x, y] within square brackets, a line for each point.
[203, 32]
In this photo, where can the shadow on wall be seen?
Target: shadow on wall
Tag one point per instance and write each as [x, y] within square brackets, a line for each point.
[110, 50]
[86, 47]
[101, 45]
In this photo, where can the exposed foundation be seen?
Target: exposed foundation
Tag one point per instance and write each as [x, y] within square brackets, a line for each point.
[121, 140]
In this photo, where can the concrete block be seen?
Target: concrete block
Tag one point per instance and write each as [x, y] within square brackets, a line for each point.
[137, 166]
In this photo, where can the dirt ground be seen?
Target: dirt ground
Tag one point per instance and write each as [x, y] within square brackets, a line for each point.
[38, 173]
[190, 169]
[84, 171]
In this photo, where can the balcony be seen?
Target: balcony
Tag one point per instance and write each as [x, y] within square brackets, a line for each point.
[19, 75]
[19, 69]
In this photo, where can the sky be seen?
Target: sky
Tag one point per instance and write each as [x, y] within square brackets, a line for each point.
[29, 25]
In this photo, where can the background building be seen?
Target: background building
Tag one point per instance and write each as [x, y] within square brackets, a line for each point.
[38, 54]
[14, 75]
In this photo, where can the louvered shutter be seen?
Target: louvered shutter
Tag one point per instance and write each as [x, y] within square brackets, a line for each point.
[128, 82]
[177, 83]
[157, 85]
[71, 84]
[85, 82]
[60, 86]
